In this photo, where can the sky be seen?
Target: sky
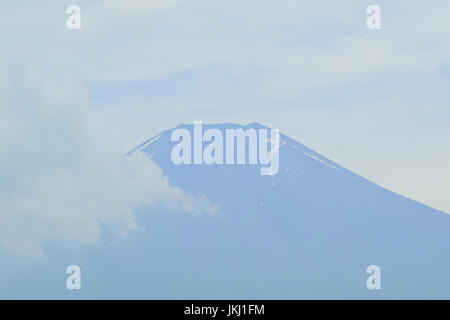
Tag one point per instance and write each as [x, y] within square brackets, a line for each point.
[72, 101]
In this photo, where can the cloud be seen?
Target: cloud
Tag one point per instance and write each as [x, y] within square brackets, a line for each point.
[58, 184]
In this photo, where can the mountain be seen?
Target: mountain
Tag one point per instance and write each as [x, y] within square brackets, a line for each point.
[312, 229]
[308, 232]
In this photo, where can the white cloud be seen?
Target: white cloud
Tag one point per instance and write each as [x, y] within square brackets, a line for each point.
[58, 184]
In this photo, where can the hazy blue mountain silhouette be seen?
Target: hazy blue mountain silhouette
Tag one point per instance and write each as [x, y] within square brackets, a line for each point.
[308, 232]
